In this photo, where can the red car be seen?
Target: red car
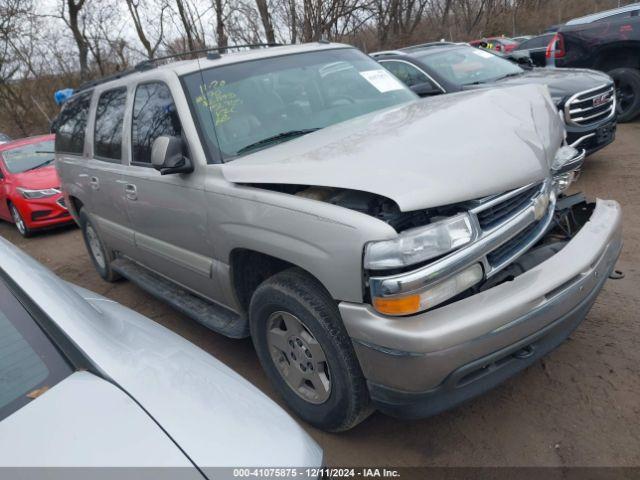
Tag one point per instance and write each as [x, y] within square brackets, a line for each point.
[29, 187]
[499, 44]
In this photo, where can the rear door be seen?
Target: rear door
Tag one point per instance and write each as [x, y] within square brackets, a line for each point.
[167, 211]
[105, 169]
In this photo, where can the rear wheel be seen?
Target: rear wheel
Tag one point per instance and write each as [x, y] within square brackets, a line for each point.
[100, 255]
[19, 222]
[627, 81]
[305, 350]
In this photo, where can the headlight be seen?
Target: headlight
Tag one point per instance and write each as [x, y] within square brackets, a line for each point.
[35, 194]
[420, 244]
[566, 166]
[430, 297]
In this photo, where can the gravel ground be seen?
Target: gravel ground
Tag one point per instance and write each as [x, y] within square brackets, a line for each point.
[579, 406]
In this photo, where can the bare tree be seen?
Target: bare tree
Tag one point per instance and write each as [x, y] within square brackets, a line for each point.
[134, 10]
[265, 16]
[70, 14]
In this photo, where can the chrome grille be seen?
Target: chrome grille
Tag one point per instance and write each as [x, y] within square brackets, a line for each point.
[494, 212]
[591, 106]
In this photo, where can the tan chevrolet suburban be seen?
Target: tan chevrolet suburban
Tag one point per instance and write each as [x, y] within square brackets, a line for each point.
[381, 250]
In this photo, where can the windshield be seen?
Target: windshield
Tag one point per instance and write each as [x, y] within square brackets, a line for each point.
[244, 107]
[29, 157]
[468, 65]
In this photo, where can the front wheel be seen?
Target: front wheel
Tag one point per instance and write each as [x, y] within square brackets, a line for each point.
[100, 255]
[627, 82]
[19, 222]
[305, 350]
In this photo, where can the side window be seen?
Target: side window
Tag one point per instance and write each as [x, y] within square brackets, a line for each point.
[154, 114]
[407, 74]
[71, 124]
[536, 42]
[109, 120]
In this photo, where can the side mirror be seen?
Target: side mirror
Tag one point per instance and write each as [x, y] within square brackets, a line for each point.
[168, 156]
[425, 89]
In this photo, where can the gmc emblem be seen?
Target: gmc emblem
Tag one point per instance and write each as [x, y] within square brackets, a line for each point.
[600, 100]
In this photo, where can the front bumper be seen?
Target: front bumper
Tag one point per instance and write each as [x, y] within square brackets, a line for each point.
[421, 365]
[44, 212]
[594, 138]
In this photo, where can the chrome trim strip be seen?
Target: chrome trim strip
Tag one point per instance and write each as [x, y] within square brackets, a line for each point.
[494, 200]
[422, 278]
[582, 139]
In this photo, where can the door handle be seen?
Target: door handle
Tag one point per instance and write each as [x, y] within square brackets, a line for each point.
[94, 182]
[131, 191]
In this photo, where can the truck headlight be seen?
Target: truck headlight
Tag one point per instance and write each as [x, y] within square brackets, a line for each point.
[419, 244]
[566, 166]
[431, 296]
[35, 194]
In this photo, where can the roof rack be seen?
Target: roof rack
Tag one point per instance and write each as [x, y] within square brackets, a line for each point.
[429, 44]
[212, 54]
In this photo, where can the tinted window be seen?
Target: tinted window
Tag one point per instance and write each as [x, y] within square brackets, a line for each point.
[71, 124]
[617, 16]
[409, 74]
[29, 157]
[109, 120]
[538, 42]
[4, 137]
[29, 362]
[154, 114]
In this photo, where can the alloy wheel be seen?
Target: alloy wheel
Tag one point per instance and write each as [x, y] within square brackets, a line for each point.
[94, 245]
[625, 96]
[17, 219]
[299, 357]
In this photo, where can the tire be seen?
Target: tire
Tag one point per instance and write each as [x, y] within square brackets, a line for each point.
[18, 221]
[321, 344]
[100, 255]
[627, 81]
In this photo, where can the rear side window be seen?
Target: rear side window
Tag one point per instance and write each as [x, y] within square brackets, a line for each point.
[109, 120]
[29, 363]
[408, 74]
[71, 124]
[154, 114]
[536, 42]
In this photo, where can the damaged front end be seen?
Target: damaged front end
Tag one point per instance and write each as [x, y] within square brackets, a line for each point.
[487, 242]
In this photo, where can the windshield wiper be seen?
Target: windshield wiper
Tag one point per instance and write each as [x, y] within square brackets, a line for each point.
[289, 135]
[508, 75]
[40, 165]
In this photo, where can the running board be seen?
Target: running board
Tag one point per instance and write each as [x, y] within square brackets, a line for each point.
[211, 315]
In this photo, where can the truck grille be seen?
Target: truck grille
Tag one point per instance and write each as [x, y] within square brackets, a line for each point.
[496, 213]
[591, 106]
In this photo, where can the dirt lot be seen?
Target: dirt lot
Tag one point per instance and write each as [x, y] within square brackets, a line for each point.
[579, 406]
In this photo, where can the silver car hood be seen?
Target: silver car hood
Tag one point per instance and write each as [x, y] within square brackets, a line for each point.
[422, 154]
[216, 417]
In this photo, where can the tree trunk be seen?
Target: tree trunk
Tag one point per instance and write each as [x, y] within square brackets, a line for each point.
[265, 16]
[220, 30]
[83, 48]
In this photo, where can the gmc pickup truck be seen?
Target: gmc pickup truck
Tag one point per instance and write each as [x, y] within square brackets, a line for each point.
[607, 43]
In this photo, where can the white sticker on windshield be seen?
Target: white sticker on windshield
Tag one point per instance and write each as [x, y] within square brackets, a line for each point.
[482, 53]
[382, 80]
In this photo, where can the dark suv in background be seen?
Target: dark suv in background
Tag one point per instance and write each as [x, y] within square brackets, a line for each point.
[607, 41]
[585, 98]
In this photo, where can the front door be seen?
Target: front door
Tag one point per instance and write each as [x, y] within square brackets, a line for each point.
[167, 211]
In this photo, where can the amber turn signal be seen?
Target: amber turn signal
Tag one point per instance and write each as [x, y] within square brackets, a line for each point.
[397, 306]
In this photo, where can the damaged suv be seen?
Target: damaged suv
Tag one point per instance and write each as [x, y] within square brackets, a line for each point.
[304, 196]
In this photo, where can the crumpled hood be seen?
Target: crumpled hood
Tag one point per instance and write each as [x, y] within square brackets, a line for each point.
[422, 154]
[562, 82]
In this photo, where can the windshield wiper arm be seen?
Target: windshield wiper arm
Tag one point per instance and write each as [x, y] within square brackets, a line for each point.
[40, 165]
[275, 138]
[509, 75]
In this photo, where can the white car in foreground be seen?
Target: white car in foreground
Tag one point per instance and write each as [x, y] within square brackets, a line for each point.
[86, 382]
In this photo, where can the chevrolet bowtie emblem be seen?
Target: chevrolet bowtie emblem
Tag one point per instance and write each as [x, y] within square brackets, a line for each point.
[540, 204]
